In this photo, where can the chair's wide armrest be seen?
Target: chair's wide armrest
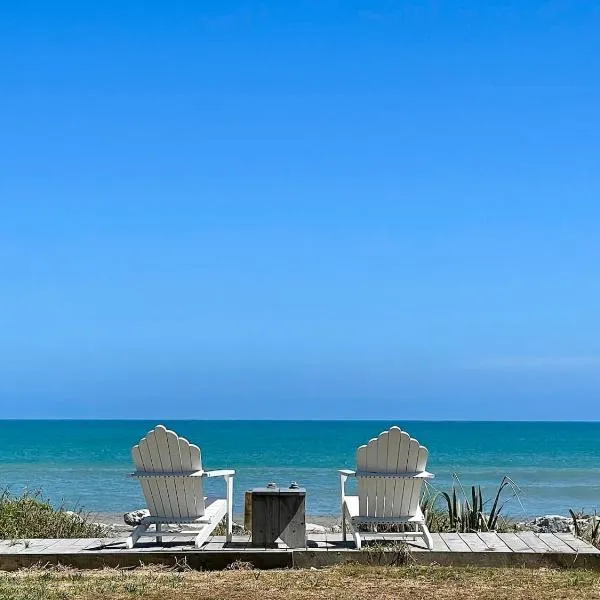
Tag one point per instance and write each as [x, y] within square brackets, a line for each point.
[413, 475]
[147, 474]
[344, 474]
[219, 473]
[347, 472]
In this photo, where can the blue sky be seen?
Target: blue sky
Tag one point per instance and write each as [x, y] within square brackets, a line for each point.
[300, 209]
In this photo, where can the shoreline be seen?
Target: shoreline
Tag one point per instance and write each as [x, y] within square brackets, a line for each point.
[115, 524]
[115, 521]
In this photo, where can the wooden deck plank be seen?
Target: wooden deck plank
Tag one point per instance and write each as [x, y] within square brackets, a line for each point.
[335, 540]
[515, 543]
[534, 542]
[52, 547]
[525, 542]
[455, 543]
[448, 549]
[418, 545]
[148, 547]
[241, 539]
[59, 546]
[310, 539]
[26, 546]
[14, 546]
[493, 542]
[95, 544]
[211, 546]
[218, 538]
[220, 542]
[555, 543]
[318, 542]
[577, 544]
[83, 542]
[474, 542]
[8, 546]
[439, 545]
[207, 541]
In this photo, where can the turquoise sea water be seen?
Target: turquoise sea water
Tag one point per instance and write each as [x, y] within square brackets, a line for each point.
[85, 463]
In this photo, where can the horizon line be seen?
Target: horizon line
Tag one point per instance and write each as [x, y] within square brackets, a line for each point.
[137, 419]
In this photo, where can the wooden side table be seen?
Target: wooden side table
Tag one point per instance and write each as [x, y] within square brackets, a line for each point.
[277, 514]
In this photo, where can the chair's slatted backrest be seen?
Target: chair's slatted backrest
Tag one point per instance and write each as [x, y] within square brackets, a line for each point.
[394, 451]
[163, 451]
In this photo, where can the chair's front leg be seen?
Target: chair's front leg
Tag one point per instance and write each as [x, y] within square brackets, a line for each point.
[229, 482]
[357, 538]
[136, 534]
[343, 493]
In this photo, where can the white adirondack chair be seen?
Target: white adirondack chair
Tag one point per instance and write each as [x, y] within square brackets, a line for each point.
[170, 472]
[390, 473]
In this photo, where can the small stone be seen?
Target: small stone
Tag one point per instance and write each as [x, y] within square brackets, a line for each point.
[314, 528]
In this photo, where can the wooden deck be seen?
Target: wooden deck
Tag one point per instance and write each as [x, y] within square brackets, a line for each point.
[483, 549]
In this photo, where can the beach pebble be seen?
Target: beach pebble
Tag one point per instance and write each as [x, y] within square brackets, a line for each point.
[135, 517]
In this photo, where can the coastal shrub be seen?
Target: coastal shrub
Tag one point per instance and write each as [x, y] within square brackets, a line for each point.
[458, 512]
[462, 512]
[30, 516]
[436, 516]
[586, 527]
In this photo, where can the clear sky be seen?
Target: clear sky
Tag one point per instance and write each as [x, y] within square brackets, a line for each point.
[320, 209]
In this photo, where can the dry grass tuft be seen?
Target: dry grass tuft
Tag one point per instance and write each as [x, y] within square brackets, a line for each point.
[349, 581]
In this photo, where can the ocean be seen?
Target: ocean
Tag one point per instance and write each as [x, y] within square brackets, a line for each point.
[84, 464]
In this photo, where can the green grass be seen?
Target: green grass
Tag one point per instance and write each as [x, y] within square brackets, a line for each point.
[30, 516]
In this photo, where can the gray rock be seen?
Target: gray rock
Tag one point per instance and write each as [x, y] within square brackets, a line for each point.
[237, 528]
[135, 517]
[314, 528]
[550, 524]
